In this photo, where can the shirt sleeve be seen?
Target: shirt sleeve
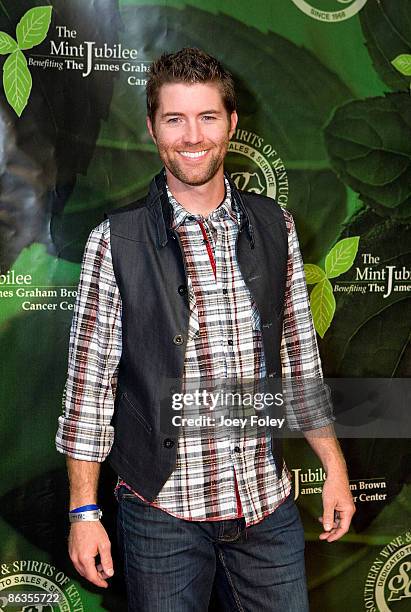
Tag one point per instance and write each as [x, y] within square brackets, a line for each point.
[84, 430]
[307, 399]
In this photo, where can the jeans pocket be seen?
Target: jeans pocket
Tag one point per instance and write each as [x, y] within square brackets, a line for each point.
[287, 508]
[126, 495]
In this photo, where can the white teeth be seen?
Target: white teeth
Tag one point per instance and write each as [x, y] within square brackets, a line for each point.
[193, 155]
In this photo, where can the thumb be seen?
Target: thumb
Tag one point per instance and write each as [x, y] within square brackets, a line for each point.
[328, 516]
[105, 558]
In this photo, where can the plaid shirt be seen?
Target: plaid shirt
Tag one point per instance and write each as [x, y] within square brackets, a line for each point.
[216, 478]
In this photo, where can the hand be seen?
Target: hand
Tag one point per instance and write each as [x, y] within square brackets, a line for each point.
[87, 539]
[338, 507]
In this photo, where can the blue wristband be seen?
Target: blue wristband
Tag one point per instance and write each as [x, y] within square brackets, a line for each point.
[85, 508]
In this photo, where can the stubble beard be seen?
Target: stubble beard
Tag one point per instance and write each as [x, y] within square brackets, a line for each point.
[194, 178]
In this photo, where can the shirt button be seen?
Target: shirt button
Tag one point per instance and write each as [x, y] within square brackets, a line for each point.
[168, 443]
[237, 449]
[230, 342]
[182, 290]
[178, 339]
[225, 291]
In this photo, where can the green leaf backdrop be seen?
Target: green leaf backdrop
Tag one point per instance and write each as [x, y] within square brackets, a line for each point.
[329, 102]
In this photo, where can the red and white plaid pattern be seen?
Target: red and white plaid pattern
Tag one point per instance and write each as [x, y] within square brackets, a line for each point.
[224, 341]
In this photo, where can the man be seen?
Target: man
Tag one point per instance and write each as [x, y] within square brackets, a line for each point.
[195, 282]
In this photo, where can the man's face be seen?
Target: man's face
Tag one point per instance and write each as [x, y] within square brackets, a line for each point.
[192, 131]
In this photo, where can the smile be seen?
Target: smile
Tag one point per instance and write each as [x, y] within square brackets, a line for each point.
[195, 155]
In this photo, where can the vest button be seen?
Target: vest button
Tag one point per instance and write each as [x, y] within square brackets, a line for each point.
[182, 289]
[237, 449]
[168, 443]
[178, 339]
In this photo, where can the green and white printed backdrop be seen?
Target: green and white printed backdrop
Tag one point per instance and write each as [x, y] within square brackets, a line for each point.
[325, 128]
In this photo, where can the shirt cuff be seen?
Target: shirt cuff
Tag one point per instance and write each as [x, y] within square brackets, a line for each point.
[308, 404]
[85, 441]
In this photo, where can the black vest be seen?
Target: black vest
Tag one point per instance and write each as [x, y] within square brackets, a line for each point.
[149, 268]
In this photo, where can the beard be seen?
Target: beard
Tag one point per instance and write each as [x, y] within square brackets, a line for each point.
[194, 176]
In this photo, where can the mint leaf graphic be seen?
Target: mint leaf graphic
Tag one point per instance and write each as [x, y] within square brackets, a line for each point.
[31, 31]
[357, 345]
[33, 27]
[341, 257]
[369, 144]
[318, 202]
[313, 274]
[403, 64]
[17, 81]
[7, 44]
[322, 303]
[387, 30]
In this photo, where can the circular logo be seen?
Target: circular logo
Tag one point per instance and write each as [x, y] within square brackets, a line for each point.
[388, 584]
[255, 166]
[330, 11]
[37, 585]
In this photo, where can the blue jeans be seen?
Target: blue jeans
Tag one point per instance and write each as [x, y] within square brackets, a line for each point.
[170, 564]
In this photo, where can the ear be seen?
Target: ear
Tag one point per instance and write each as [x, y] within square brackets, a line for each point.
[233, 123]
[150, 129]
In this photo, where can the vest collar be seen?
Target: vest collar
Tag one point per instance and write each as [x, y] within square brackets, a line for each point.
[161, 209]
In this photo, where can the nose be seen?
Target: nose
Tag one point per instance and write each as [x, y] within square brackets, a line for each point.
[193, 133]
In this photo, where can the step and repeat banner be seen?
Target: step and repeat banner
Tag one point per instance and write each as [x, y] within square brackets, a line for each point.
[324, 128]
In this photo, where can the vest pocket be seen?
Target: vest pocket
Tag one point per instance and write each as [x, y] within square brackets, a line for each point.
[135, 411]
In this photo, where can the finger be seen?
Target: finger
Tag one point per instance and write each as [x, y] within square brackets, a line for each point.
[326, 534]
[342, 528]
[333, 535]
[335, 524]
[101, 571]
[104, 548]
[90, 572]
[328, 516]
[336, 521]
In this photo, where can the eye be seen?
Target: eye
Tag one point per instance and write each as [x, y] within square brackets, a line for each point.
[174, 120]
[208, 118]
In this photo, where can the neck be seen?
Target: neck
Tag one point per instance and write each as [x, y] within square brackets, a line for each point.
[198, 199]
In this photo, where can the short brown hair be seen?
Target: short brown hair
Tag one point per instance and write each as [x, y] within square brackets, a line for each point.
[189, 65]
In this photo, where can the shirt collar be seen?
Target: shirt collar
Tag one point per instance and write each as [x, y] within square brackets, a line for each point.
[227, 209]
